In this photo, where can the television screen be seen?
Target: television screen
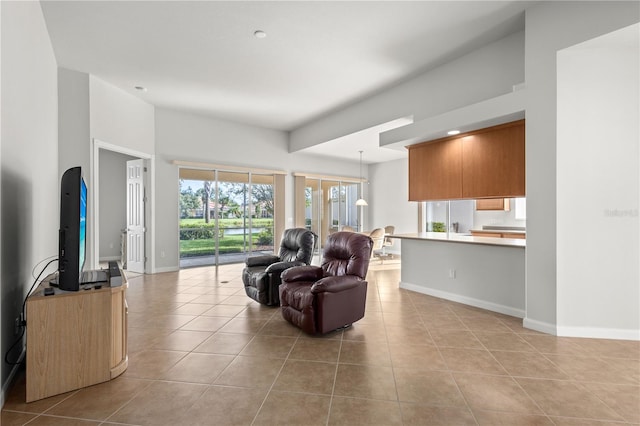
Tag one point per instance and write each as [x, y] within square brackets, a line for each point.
[73, 229]
[83, 226]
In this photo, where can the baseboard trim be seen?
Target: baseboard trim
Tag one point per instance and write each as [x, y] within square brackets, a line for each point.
[12, 375]
[490, 306]
[543, 327]
[109, 258]
[166, 269]
[599, 333]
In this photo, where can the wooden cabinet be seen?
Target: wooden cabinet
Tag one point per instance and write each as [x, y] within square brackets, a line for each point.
[75, 339]
[493, 204]
[499, 234]
[487, 163]
[435, 171]
[493, 162]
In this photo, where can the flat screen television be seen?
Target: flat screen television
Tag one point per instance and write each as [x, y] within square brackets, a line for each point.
[72, 241]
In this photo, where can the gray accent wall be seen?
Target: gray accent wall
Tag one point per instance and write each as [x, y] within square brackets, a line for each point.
[29, 160]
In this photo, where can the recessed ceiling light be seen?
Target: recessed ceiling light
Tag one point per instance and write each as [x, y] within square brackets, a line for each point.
[140, 88]
[259, 34]
[453, 132]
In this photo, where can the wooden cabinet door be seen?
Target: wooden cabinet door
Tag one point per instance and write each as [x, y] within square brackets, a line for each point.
[493, 204]
[493, 162]
[435, 171]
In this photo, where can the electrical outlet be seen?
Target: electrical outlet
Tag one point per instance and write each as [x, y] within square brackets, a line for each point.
[452, 274]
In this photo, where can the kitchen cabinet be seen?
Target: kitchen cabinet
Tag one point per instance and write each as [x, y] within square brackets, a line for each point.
[487, 163]
[435, 171]
[493, 162]
[499, 234]
[493, 204]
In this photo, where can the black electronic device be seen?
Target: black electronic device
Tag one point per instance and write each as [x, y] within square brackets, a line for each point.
[49, 291]
[115, 277]
[73, 229]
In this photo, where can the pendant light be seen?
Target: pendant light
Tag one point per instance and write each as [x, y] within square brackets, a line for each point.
[361, 201]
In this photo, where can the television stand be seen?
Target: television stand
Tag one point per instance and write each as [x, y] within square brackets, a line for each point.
[75, 338]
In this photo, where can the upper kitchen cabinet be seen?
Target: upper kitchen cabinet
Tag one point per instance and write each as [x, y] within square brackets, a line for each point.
[484, 163]
[435, 170]
[493, 162]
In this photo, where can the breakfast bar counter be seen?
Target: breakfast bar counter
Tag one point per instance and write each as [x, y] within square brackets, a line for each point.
[485, 272]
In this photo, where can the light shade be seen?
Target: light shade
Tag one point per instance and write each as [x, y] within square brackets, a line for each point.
[361, 202]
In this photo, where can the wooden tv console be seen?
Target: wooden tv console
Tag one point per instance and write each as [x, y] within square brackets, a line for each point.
[75, 339]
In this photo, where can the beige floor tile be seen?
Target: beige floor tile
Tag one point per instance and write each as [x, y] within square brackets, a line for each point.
[529, 364]
[161, 403]
[243, 325]
[352, 352]
[365, 333]
[485, 324]
[553, 345]
[452, 338]
[365, 381]
[203, 323]
[307, 377]
[10, 418]
[591, 369]
[198, 368]
[224, 343]
[417, 356]
[152, 364]
[269, 346]
[251, 372]
[316, 349]
[192, 309]
[365, 412]
[499, 418]
[289, 408]
[17, 396]
[504, 342]
[563, 398]
[623, 399]
[45, 420]
[418, 415]
[400, 335]
[222, 311]
[570, 421]
[433, 388]
[278, 326]
[223, 405]
[496, 393]
[181, 340]
[100, 401]
[444, 320]
[471, 360]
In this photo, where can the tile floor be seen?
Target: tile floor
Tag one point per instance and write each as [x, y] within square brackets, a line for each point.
[202, 353]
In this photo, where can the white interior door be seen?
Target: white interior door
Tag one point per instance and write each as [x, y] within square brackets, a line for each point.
[135, 216]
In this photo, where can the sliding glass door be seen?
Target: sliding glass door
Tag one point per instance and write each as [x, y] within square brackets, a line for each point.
[330, 206]
[225, 216]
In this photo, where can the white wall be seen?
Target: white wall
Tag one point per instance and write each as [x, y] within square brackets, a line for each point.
[120, 118]
[189, 137]
[29, 152]
[480, 75]
[388, 199]
[552, 26]
[598, 182]
[113, 202]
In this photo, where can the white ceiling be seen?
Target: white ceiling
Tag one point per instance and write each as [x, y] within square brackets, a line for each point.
[202, 57]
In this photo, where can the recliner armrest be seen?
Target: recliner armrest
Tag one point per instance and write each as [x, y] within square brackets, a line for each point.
[336, 284]
[303, 273]
[278, 267]
[263, 260]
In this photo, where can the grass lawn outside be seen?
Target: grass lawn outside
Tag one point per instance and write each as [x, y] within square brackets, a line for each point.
[206, 247]
[193, 244]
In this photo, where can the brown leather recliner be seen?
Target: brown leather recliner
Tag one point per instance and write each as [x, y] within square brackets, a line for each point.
[261, 276]
[320, 299]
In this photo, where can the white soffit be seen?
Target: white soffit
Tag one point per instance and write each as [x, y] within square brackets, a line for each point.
[499, 110]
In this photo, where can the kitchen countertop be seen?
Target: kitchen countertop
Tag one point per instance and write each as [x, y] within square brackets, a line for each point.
[502, 231]
[462, 238]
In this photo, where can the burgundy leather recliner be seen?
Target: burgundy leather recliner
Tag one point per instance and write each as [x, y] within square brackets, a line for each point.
[320, 299]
